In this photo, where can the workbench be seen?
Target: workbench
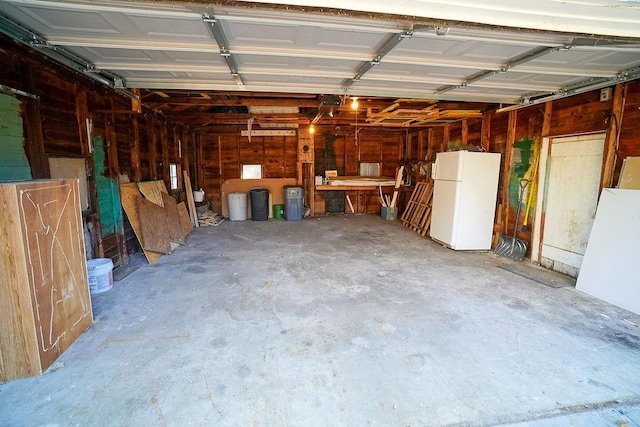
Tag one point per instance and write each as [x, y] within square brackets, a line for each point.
[364, 192]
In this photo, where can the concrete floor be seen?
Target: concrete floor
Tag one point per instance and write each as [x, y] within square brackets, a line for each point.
[342, 320]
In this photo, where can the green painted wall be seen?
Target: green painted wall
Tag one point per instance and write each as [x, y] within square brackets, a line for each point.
[522, 163]
[109, 205]
[13, 160]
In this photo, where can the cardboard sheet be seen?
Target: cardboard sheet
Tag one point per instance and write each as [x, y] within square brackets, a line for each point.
[630, 174]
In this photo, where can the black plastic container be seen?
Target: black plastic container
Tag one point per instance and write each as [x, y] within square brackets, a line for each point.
[259, 204]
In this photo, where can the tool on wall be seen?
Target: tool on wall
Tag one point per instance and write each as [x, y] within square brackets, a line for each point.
[512, 247]
[525, 226]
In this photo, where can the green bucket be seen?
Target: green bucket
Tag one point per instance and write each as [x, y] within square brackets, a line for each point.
[278, 211]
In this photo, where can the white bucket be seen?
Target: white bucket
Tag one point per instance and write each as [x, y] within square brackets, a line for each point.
[100, 275]
[237, 206]
[198, 196]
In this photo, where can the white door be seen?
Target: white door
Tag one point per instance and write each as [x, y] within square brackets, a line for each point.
[573, 181]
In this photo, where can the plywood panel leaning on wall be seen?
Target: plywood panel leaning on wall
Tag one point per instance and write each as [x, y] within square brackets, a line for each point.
[44, 291]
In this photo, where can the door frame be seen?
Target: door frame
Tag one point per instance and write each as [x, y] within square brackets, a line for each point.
[538, 223]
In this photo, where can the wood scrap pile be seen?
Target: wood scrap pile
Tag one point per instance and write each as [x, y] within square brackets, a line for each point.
[391, 202]
[210, 217]
[417, 215]
[159, 223]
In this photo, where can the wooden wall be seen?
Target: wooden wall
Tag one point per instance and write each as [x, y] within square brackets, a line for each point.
[140, 146]
[373, 145]
[137, 147]
[223, 151]
[515, 135]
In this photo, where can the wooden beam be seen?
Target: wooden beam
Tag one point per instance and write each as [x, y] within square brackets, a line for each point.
[611, 140]
[164, 142]
[546, 121]
[111, 147]
[213, 102]
[184, 153]
[136, 104]
[222, 119]
[465, 132]
[197, 159]
[506, 173]
[135, 149]
[82, 115]
[429, 156]
[445, 138]
[485, 137]
[153, 151]
[116, 112]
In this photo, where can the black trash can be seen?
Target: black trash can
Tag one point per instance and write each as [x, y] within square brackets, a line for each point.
[259, 204]
[293, 200]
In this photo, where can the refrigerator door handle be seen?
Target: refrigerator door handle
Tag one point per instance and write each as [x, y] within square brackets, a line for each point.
[434, 169]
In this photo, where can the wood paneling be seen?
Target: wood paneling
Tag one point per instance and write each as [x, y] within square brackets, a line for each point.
[580, 114]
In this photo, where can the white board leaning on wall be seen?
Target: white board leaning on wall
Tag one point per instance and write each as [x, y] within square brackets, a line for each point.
[610, 269]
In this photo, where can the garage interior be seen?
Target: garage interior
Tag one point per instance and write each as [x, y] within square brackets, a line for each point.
[344, 317]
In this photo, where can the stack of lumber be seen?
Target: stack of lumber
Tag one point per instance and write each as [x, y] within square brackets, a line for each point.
[210, 217]
[417, 215]
[159, 223]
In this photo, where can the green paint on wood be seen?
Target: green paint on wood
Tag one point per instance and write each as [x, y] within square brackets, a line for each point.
[522, 160]
[14, 164]
[108, 195]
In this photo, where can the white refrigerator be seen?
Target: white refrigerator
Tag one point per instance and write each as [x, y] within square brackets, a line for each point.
[464, 199]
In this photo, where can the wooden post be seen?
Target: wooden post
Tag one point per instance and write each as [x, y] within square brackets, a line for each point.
[445, 138]
[82, 115]
[164, 142]
[153, 152]
[34, 140]
[611, 140]
[420, 155]
[184, 152]
[465, 132]
[111, 145]
[135, 149]
[506, 173]
[196, 157]
[136, 104]
[219, 162]
[546, 123]
[485, 137]
[113, 169]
